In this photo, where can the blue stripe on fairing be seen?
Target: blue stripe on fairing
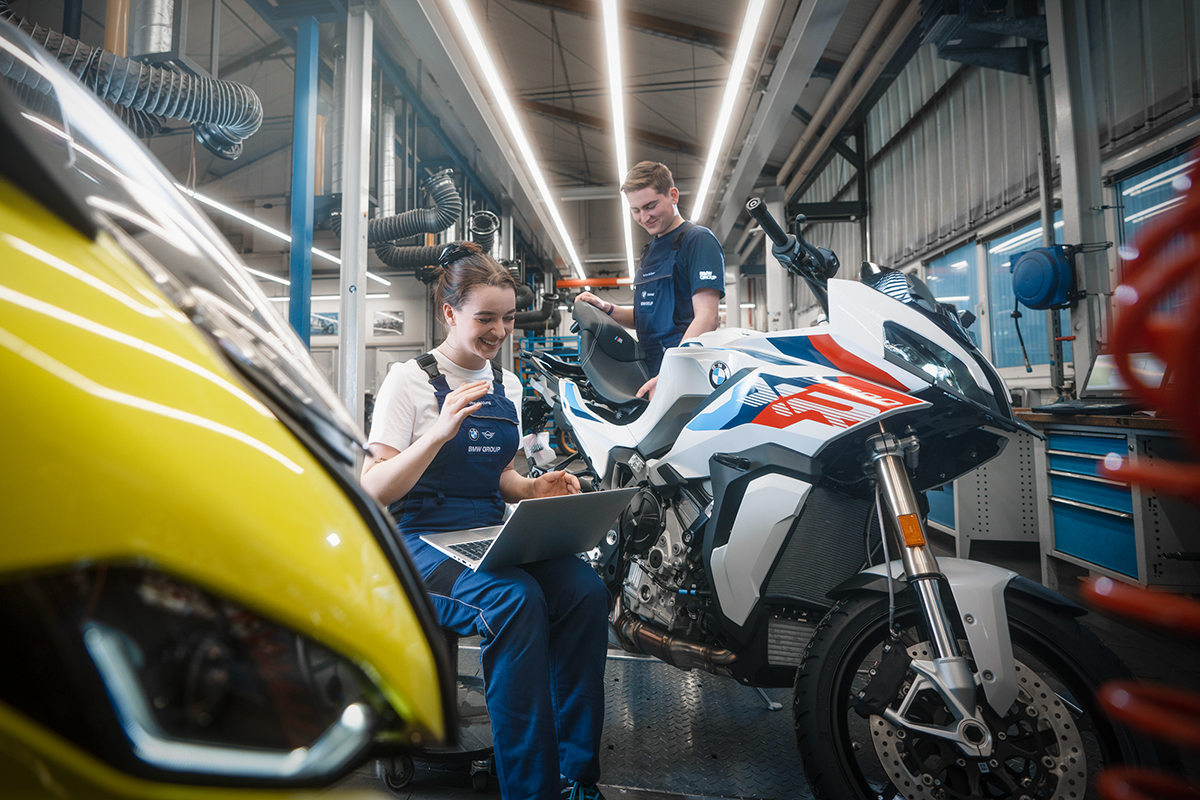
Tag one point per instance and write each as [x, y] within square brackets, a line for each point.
[734, 411]
[576, 404]
[800, 347]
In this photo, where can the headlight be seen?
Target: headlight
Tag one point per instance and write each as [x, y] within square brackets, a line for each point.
[931, 362]
[170, 683]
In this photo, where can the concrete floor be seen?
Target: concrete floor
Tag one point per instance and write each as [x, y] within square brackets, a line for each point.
[1150, 654]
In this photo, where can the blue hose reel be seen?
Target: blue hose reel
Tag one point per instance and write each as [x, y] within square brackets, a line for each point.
[1045, 277]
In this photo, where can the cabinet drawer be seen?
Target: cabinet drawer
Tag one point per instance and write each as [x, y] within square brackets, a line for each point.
[1112, 496]
[1095, 445]
[1095, 537]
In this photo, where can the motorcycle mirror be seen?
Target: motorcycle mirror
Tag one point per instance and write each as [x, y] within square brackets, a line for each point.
[966, 318]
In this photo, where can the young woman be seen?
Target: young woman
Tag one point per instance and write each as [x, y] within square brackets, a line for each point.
[543, 624]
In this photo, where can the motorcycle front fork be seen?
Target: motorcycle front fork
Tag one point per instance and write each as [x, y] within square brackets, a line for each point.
[948, 674]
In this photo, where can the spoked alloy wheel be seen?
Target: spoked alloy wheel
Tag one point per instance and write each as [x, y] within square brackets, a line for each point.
[1049, 745]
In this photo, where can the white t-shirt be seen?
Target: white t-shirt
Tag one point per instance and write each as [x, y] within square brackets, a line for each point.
[407, 406]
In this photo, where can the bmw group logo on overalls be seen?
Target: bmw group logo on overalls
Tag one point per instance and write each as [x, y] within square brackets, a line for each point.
[718, 373]
[473, 434]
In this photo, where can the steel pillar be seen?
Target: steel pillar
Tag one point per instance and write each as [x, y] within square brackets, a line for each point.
[779, 286]
[356, 139]
[733, 296]
[385, 149]
[1046, 188]
[1079, 160]
[304, 134]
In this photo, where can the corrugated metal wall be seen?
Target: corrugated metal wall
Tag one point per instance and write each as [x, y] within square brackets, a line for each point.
[951, 147]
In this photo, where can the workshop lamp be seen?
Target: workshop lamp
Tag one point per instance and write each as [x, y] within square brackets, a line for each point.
[612, 46]
[741, 57]
[487, 66]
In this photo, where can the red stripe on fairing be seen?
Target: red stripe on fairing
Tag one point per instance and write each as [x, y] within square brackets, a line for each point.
[852, 364]
[843, 404]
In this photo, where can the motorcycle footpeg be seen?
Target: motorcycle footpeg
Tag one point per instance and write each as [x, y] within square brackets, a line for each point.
[886, 679]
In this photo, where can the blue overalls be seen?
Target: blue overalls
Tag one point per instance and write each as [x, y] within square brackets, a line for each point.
[543, 625]
[654, 315]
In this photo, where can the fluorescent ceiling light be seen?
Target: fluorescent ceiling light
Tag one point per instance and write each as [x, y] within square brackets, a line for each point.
[477, 46]
[265, 228]
[1157, 180]
[268, 276]
[616, 93]
[748, 305]
[741, 57]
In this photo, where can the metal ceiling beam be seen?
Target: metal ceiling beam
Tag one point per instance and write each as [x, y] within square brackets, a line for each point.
[809, 34]
[602, 124]
[673, 29]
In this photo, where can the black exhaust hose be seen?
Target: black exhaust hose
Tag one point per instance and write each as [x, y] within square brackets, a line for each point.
[483, 226]
[544, 325]
[408, 257]
[524, 296]
[222, 113]
[446, 211]
[538, 315]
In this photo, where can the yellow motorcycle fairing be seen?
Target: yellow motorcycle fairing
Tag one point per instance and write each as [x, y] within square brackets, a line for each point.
[129, 440]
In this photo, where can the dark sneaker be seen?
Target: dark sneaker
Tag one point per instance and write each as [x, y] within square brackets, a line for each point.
[581, 791]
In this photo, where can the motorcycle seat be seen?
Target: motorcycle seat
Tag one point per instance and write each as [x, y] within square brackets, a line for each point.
[612, 360]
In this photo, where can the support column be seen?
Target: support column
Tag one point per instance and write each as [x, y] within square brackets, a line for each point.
[385, 147]
[1046, 188]
[779, 288]
[733, 296]
[507, 252]
[1079, 160]
[304, 131]
[356, 141]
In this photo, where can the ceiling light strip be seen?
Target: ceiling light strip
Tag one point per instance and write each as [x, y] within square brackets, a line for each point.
[616, 94]
[483, 57]
[741, 57]
[265, 228]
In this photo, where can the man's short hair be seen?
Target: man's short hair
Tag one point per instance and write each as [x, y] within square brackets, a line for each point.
[649, 173]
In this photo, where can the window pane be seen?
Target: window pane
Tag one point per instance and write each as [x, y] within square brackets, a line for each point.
[1146, 196]
[1006, 347]
[954, 278]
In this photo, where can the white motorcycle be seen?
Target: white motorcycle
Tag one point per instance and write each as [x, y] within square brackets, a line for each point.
[769, 464]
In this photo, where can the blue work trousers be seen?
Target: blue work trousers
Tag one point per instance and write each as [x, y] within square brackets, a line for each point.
[544, 641]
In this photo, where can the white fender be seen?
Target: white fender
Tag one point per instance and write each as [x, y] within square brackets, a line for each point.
[978, 591]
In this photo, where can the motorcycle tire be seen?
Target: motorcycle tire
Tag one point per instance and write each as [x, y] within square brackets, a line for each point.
[1050, 745]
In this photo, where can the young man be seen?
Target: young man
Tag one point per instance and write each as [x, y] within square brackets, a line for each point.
[681, 276]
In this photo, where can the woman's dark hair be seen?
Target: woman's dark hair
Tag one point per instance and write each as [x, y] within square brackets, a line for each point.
[463, 266]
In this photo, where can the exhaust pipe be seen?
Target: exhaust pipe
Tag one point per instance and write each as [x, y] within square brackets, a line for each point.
[638, 636]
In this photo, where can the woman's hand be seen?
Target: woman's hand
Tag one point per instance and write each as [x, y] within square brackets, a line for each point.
[553, 484]
[457, 406]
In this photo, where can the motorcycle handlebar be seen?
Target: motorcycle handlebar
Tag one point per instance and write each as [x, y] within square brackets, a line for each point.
[758, 210]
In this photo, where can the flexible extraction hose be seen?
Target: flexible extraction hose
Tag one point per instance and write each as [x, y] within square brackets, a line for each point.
[386, 230]
[222, 113]
[538, 315]
[524, 296]
[544, 325]
[483, 226]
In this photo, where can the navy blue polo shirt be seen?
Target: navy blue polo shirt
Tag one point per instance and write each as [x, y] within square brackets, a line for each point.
[700, 264]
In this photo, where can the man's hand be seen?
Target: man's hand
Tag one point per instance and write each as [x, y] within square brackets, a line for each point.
[588, 297]
[648, 388]
[553, 484]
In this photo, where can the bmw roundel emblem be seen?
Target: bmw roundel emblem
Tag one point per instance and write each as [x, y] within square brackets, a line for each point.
[718, 373]
[473, 434]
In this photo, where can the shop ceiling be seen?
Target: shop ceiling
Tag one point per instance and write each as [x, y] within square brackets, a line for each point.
[676, 57]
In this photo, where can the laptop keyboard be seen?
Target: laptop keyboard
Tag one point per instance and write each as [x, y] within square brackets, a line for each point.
[472, 550]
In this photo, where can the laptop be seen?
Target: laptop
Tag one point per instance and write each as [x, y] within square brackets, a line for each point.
[1105, 393]
[546, 527]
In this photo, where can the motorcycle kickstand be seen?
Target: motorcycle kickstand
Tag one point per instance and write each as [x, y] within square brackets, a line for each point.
[771, 704]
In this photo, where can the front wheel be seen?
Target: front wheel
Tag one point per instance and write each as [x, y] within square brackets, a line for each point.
[1048, 746]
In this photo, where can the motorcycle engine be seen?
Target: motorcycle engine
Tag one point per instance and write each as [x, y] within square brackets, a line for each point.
[666, 580]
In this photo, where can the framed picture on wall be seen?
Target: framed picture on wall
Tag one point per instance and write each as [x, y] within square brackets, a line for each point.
[388, 323]
[324, 323]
